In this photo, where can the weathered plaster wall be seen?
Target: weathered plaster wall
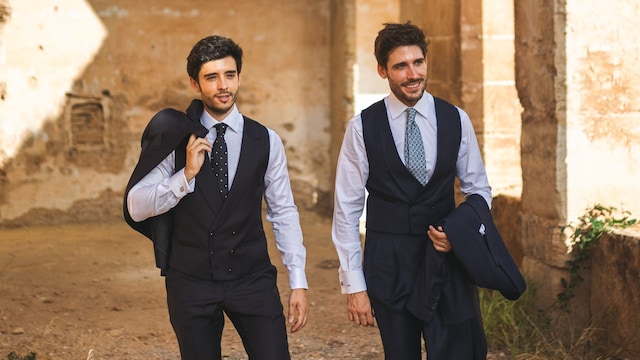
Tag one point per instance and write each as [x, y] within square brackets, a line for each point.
[126, 61]
[602, 105]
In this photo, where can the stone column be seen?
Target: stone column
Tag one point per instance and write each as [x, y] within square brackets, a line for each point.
[542, 90]
[343, 48]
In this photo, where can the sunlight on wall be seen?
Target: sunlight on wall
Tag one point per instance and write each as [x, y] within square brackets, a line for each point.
[45, 47]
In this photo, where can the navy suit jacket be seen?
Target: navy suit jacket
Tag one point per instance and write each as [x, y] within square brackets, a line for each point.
[479, 257]
[479, 248]
[164, 133]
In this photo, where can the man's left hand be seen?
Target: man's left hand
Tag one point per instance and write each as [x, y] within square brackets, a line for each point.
[298, 309]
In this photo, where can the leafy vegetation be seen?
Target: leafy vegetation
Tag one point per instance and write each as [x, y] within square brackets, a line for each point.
[523, 332]
[590, 227]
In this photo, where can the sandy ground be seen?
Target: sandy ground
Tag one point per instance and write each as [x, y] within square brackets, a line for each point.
[92, 292]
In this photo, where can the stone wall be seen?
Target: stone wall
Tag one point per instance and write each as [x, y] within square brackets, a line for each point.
[614, 293]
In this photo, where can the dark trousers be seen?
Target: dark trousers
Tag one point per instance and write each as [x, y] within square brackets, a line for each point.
[197, 308]
[391, 264]
[402, 333]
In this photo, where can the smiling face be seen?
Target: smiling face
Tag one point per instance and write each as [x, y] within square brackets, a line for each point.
[218, 82]
[406, 72]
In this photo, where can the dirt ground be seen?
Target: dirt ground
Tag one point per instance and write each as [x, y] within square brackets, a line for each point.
[75, 292]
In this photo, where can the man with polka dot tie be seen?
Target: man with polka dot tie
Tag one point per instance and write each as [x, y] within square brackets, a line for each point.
[212, 186]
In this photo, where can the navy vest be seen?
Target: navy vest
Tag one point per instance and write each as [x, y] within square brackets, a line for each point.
[220, 240]
[397, 202]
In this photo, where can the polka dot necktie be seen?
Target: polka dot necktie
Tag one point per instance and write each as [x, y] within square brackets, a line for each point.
[219, 160]
[414, 157]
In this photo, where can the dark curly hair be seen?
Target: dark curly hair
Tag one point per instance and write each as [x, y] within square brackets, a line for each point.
[394, 35]
[212, 48]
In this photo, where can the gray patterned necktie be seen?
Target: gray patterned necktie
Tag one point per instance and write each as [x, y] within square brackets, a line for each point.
[219, 160]
[414, 156]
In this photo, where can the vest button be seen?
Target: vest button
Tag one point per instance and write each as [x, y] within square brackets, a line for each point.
[211, 253]
[229, 269]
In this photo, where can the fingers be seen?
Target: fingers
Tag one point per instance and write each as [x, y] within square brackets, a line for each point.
[359, 309]
[362, 319]
[192, 138]
[439, 239]
[196, 148]
[198, 145]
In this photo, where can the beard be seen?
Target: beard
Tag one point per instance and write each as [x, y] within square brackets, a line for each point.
[407, 97]
[217, 108]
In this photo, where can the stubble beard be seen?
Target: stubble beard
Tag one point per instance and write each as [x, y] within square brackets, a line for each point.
[219, 110]
[408, 98]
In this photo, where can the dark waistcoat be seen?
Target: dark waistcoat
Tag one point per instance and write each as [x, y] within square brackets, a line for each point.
[397, 202]
[223, 240]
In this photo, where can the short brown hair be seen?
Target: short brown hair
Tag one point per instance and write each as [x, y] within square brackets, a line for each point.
[212, 48]
[394, 35]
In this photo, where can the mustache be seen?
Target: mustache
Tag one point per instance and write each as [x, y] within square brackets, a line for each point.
[412, 82]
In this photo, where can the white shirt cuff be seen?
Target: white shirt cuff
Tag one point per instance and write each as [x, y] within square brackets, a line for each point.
[179, 185]
[352, 281]
[297, 279]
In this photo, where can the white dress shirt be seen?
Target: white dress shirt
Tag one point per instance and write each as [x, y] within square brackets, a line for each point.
[353, 171]
[161, 190]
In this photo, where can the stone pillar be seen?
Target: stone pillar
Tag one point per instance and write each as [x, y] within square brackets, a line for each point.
[489, 92]
[342, 52]
[541, 88]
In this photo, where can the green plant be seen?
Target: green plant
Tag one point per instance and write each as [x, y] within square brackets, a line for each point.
[513, 326]
[525, 332]
[590, 227]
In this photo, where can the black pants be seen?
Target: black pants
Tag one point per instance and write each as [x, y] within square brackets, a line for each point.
[402, 333]
[391, 265]
[197, 308]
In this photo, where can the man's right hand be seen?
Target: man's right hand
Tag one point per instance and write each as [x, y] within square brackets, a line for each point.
[359, 309]
[196, 150]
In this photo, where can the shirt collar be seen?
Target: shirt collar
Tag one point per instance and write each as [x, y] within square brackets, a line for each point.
[233, 120]
[397, 108]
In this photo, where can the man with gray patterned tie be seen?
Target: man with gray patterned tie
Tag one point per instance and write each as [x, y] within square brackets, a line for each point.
[406, 151]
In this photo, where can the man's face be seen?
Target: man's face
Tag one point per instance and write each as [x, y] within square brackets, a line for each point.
[218, 83]
[406, 72]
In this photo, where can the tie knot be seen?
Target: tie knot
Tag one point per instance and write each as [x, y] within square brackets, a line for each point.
[220, 128]
[411, 114]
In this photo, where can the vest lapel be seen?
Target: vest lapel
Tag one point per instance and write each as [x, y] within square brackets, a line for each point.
[409, 185]
[448, 144]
